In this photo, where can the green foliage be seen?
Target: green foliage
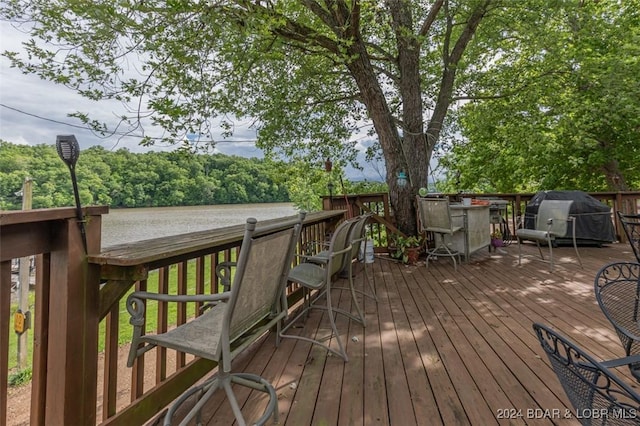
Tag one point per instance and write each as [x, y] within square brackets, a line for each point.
[312, 76]
[560, 106]
[21, 377]
[125, 179]
[403, 244]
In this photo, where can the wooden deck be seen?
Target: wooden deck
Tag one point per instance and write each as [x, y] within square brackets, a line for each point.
[441, 347]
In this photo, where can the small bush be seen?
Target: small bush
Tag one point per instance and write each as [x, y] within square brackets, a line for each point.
[21, 377]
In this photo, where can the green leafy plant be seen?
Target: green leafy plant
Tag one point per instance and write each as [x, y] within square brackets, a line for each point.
[496, 238]
[403, 246]
[20, 377]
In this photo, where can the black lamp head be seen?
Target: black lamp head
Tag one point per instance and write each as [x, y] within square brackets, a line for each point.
[68, 149]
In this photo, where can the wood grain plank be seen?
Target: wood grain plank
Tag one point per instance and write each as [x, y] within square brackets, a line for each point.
[441, 347]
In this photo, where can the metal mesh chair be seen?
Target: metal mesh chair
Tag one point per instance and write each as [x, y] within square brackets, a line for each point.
[318, 275]
[358, 240]
[631, 226]
[617, 288]
[255, 304]
[435, 216]
[597, 394]
[551, 222]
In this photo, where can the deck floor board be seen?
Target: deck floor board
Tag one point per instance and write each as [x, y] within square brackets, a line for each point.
[442, 346]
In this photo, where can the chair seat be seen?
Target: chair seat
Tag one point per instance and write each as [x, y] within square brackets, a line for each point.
[533, 234]
[199, 336]
[308, 274]
[449, 231]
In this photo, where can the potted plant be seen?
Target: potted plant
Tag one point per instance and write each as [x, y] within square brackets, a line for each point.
[496, 238]
[406, 249]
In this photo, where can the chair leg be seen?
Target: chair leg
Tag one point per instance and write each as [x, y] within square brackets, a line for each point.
[550, 254]
[575, 247]
[540, 250]
[223, 380]
[354, 297]
[207, 389]
[353, 290]
[341, 351]
[373, 295]
[452, 254]
[519, 250]
[444, 250]
[331, 313]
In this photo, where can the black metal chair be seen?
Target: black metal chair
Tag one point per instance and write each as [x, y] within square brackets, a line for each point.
[235, 319]
[597, 394]
[617, 288]
[631, 225]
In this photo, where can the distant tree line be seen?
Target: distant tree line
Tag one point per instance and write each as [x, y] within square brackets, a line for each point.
[125, 179]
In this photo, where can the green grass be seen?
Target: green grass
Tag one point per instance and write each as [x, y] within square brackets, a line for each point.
[125, 329]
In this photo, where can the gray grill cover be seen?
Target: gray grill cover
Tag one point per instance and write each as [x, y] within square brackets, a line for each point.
[593, 218]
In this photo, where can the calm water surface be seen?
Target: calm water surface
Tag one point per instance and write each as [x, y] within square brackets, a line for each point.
[128, 225]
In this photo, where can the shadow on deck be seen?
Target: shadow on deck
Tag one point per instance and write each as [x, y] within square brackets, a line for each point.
[441, 347]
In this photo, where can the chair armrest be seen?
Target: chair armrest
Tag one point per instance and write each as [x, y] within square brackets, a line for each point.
[619, 362]
[313, 258]
[136, 309]
[160, 297]
[314, 246]
[223, 272]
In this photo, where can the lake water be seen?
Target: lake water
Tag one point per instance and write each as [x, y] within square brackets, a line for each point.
[128, 225]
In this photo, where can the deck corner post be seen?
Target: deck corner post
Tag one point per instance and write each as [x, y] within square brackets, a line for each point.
[72, 362]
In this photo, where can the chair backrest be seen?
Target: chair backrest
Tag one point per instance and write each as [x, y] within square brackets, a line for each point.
[340, 247]
[263, 265]
[631, 225]
[358, 234]
[435, 214]
[590, 387]
[558, 211]
[617, 289]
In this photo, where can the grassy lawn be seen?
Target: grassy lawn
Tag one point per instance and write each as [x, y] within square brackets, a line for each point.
[125, 329]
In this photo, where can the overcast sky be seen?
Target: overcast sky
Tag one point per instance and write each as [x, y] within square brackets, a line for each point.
[34, 111]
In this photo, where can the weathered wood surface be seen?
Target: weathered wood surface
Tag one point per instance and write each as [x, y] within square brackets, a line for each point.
[442, 347]
[166, 250]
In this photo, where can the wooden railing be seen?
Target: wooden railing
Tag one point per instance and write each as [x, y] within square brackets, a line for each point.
[65, 357]
[626, 202]
[79, 301]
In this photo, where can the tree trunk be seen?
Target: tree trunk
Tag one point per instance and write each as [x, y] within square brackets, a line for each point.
[401, 155]
[408, 151]
[614, 176]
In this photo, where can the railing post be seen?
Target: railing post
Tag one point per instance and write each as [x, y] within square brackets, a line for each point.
[5, 297]
[71, 372]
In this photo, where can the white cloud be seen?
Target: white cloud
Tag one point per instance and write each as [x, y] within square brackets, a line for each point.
[34, 111]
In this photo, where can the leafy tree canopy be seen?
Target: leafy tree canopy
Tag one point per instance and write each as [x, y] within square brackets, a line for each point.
[310, 73]
[560, 109]
[125, 179]
[551, 74]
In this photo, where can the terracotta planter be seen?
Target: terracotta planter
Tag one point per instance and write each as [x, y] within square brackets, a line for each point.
[413, 253]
